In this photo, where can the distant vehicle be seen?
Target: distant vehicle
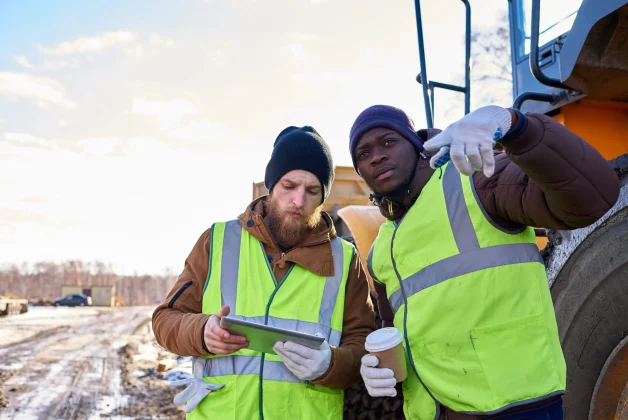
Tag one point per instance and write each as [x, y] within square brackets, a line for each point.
[73, 300]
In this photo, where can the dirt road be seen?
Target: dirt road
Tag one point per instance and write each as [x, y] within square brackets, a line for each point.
[80, 363]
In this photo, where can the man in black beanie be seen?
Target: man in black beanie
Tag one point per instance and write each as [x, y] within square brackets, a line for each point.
[279, 264]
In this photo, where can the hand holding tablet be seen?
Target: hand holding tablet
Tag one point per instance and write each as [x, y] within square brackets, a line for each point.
[263, 337]
[218, 340]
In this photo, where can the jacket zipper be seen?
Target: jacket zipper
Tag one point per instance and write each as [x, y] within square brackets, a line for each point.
[179, 292]
[283, 254]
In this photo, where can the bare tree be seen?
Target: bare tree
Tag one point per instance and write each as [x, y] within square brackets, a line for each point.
[491, 72]
[45, 280]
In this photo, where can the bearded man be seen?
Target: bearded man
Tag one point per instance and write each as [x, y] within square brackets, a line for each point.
[279, 264]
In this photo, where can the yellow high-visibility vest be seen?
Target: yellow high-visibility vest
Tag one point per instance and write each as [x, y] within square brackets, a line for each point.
[472, 301]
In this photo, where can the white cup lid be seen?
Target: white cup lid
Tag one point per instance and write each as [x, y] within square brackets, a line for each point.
[383, 339]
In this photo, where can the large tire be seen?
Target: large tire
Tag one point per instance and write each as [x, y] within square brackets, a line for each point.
[590, 295]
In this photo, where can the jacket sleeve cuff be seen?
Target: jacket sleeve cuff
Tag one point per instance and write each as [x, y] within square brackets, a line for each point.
[516, 131]
[206, 352]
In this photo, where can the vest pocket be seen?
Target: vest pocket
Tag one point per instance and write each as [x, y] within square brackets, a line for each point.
[223, 400]
[516, 358]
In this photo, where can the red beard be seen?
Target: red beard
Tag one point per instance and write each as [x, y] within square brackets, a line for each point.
[287, 230]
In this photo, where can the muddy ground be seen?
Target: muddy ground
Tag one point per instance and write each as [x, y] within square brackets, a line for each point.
[82, 363]
[91, 363]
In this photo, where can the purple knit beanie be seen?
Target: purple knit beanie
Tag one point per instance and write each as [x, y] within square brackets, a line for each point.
[383, 116]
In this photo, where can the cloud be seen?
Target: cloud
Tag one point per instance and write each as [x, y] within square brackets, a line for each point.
[304, 37]
[200, 131]
[23, 61]
[100, 146]
[90, 44]
[161, 41]
[42, 90]
[169, 113]
[298, 53]
[22, 216]
[135, 51]
[140, 147]
[48, 66]
[34, 200]
[26, 140]
[298, 77]
[366, 53]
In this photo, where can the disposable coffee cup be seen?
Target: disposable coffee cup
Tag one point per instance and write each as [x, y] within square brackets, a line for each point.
[385, 344]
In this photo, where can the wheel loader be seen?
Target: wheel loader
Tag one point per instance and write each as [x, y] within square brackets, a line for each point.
[574, 68]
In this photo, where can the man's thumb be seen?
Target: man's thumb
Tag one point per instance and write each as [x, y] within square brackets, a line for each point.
[438, 141]
[224, 311]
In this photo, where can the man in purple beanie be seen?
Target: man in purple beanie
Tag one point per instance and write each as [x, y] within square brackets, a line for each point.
[456, 267]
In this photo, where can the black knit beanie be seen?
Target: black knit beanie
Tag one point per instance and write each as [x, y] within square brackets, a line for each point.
[300, 148]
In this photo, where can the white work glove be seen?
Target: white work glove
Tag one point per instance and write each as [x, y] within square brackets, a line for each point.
[305, 363]
[380, 382]
[474, 135]
[197, 388]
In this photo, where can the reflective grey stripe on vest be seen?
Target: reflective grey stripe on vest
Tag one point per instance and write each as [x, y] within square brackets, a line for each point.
[229, 287]
[457, 211]
[229, 264]
[369, 263]
[471, 258]
[466, 263]
[248, 365]
[330, 292]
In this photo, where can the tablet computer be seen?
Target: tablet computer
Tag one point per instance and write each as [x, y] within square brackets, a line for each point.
[263, 337]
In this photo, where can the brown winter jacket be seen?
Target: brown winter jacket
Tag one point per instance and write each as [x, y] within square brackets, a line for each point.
[548, 177]
[178, 322]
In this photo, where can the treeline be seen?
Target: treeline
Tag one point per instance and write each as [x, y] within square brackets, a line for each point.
[44, 280]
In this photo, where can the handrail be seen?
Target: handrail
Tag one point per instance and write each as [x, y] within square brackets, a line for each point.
[427, 85]
[534, 50]
[426, 99]
[467, 59]
[535, 96]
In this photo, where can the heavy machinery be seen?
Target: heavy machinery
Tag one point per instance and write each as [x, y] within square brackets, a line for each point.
[578, 75]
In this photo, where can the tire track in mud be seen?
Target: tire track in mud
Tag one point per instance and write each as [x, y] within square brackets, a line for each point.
[37, 337]
[73, 372]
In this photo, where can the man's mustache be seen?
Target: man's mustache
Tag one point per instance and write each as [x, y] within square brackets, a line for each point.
[293, 211]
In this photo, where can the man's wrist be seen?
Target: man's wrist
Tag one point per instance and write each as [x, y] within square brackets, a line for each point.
[519, 124]
[205, 349]
[331, 364]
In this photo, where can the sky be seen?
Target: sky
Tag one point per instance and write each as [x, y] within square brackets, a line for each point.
[128, 127]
